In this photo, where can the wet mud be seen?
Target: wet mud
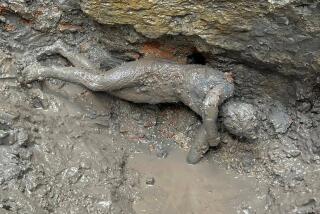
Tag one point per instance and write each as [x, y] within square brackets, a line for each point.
[67, 149]
[183, 188]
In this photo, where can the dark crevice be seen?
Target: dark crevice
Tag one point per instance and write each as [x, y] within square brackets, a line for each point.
[6, 207]
[198, 52]
[249, 61]
[196, 58]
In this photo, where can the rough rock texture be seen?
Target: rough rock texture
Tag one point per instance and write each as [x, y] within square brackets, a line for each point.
[278, 35]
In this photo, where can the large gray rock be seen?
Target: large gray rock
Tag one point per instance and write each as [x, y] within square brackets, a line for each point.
[280, 120]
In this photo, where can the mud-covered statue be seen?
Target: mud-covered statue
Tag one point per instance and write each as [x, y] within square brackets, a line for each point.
[152, 81]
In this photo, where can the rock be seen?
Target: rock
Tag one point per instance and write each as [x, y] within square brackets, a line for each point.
[3, 134]
[161, 150]
[105, 204]
[47, 19]
[4, 137]
[150, 181]
[280, 120]
[293, 153]
[315, 138]
[7, 118]
[67, 27]
[21, 136]
[19, 7]
[37, 103]
[155, 18]
[69, 5]
[7, 63]
[240, 119]
[306, 205]
[304, 107]
[161, 153]
[281, 35]
[11, 167]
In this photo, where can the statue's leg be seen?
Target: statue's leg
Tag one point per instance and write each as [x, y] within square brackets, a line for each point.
[76, 59]
[199, 147]
[211, 111]
[91, 79]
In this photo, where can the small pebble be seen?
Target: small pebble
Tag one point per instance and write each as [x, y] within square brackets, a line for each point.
[162, 153]
[150, 181]
[7, 118]
[3, 134]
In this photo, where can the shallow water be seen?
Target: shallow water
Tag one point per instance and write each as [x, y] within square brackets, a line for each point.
[183, 188]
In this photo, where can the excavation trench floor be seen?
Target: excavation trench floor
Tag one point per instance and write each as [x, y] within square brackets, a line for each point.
[105, 149]
[183, 188]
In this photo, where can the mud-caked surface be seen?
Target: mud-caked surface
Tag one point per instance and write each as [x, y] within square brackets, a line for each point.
[65, 149]
[55, 159]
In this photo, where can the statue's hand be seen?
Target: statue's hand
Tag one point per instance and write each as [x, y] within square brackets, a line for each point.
[31, 73]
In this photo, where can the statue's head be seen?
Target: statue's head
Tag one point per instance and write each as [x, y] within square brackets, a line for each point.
[240, 119]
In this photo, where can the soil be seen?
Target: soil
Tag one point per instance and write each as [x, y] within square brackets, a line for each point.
[65, 149]
[201, 188]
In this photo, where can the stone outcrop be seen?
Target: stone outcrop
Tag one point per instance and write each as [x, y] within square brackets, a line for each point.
[280, 35]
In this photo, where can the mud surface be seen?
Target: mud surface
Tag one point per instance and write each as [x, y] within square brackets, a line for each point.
[177, 187]
[65, 149]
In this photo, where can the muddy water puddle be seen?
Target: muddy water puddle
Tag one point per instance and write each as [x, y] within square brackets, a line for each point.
[182, 188]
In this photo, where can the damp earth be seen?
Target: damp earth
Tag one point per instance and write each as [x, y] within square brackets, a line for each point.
[67, 149]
